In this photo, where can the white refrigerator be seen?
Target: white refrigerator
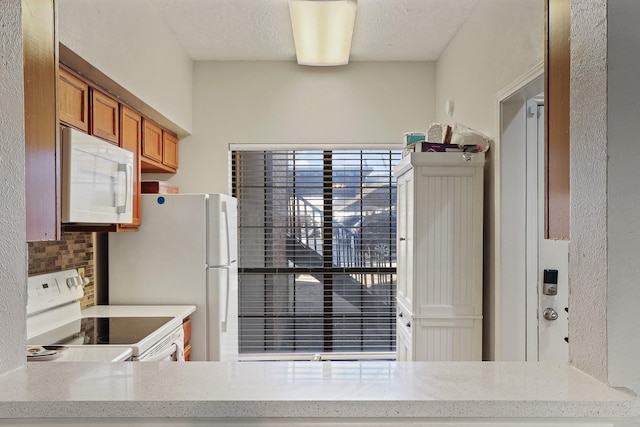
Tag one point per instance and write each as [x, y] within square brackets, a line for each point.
[184, 253]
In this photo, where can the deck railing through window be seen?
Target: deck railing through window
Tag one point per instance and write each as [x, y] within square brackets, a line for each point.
[317, 252]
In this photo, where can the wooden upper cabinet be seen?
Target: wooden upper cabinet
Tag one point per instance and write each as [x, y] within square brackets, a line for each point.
[73, 100]
[159, 153]
[131, 139]
[557, 80]
[170, 150]
[104, 116]
[151, 141]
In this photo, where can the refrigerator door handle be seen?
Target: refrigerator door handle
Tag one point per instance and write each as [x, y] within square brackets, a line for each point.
[225, 214]
[224, 306]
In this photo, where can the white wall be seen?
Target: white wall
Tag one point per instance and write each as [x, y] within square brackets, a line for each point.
[129, 42]
[13, 247]
[501, 41]
[282, 102]
[623, 148]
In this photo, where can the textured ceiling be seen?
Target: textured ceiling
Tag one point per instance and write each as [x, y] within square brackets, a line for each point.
[260, 30]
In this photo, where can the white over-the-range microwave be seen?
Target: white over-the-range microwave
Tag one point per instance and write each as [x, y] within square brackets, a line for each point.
[97, 180]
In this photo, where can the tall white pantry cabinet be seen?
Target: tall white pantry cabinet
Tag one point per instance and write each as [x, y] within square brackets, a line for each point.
[439, 253]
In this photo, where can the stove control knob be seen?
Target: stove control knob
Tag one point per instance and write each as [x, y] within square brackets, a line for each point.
[73, 282]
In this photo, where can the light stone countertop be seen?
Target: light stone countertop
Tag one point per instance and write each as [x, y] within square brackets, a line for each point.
[178, 311]
[92, 354]
[337, 390]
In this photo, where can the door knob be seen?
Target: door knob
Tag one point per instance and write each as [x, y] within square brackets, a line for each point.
[550, 314]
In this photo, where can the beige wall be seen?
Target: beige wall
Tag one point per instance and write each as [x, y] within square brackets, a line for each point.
[501, 41]
[129, 42]
[282, 102]
[13, 249]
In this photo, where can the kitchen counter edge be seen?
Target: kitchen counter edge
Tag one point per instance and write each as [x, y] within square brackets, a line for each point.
[310, 390]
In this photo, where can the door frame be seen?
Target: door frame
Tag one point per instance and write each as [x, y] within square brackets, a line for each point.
[534, 221]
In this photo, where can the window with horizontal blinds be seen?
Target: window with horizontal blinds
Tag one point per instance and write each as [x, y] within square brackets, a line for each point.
[317, 255]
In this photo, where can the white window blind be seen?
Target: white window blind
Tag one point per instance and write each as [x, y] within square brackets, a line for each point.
[317, 251]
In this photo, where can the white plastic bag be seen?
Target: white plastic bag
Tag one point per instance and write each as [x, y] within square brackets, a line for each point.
[471, 141]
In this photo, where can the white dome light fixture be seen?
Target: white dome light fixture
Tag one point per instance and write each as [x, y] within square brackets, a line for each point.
[322, 30]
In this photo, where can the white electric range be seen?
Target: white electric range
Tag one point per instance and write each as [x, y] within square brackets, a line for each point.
[56, 323]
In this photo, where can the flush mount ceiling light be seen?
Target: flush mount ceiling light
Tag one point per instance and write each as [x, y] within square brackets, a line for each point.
[322, 30]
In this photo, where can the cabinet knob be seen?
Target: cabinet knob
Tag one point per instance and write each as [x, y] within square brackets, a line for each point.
[400, 314]
[408, 324]
[402, 239]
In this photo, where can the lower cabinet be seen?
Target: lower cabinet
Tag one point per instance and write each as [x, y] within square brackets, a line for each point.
[186, 326]
[437, 339]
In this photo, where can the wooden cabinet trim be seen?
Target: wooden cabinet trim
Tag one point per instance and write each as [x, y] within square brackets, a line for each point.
[557, 94]
[41, 144]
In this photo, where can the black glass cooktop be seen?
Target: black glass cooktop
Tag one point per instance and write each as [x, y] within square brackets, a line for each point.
[102, 330]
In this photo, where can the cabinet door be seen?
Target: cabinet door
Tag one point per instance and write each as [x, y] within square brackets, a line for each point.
[170, 150]
[159, 149]
[405, 203]
[104, 116]
[73, 101]
[130, 139]
[151, 141]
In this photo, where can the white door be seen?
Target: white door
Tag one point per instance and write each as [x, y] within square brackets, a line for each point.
[547, 305]
[404, 247]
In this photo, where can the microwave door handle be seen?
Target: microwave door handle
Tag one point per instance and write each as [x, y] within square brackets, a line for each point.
[128, 187]
[121, 205]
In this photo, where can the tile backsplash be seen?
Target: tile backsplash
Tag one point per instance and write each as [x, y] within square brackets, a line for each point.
[74, 250]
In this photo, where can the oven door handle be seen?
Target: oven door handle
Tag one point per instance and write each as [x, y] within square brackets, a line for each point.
[169, 351]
